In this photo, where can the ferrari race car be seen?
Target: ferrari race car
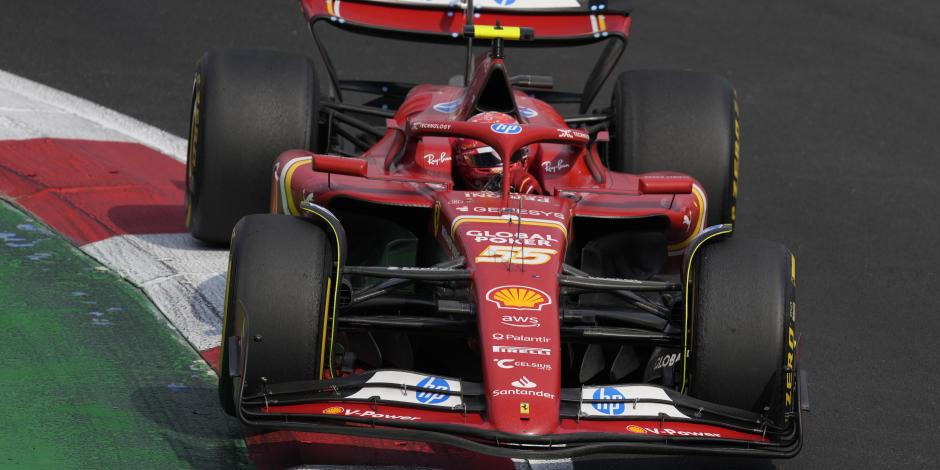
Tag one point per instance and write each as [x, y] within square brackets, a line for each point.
[463, 264]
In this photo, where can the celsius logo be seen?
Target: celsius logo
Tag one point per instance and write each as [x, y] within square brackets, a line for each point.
[506, 128]
[448, 107]
[609, 393]
[434, 383]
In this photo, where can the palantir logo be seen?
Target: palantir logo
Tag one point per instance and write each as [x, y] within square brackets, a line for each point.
[506, 128]
[609, 393]
[434, 383]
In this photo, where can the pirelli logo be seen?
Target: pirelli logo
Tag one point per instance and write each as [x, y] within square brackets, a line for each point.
[522, 350]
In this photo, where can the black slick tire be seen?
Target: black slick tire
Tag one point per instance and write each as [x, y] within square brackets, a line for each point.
[249, 106]
[275, 297]
[743, 348]
[673, 120]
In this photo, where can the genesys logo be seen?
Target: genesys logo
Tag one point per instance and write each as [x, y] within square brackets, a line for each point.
[433, 383]
[523, 338]
[512, 364]
[522, 350]
[508, 129]
[520, 321]
[518, 297]
[524, 382]
[337, 410]
[669, 432]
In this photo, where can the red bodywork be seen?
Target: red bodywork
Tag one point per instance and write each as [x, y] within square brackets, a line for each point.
[513, 244]
[514, 247]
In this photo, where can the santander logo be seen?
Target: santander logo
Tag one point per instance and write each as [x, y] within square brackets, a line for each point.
[524, 382]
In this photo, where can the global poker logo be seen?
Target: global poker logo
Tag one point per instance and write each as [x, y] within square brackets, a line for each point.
[434, 383]
[609, 393]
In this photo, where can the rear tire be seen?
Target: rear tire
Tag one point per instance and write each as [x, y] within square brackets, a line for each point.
[276, 293]
[743, 348]
[672, 120]
[248, 107]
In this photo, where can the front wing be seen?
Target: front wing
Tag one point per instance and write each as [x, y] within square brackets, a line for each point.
[403, 405]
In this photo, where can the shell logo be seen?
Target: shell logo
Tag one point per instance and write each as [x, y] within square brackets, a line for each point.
[518, 298]
[636, 429]
[333, 410]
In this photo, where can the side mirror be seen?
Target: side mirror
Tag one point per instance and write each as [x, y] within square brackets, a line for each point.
[341, 165]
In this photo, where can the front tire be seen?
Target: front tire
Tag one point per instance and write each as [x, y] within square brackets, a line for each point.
[278, 285]
[248, 107]
[673, 120]
[743, 349]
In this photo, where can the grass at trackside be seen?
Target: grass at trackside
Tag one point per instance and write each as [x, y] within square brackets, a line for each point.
[91, 376]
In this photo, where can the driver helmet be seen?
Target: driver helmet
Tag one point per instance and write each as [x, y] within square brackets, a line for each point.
[477, 162]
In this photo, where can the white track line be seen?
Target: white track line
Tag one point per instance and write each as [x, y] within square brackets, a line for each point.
[184, 279]
[33, 110]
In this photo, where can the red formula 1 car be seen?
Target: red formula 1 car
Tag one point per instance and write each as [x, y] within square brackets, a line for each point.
[462, 264]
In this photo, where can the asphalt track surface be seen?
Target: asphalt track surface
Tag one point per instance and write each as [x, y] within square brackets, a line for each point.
[840, 107]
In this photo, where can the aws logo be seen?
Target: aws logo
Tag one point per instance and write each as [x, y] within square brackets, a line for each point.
[518, 298]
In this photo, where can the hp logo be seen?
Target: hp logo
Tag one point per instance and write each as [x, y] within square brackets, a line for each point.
[434, 383]
[609, 393]
[506, 128]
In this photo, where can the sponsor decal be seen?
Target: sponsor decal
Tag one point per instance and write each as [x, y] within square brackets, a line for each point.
[555, 166]
[618, 397]
[507, 219]
[511, 238]
[431, 125]
[374, 415]
[522, 350]
[636, 429]
[524, 408]
[523, 338]
[518, 298]
[514, 196]
[528, 113]
[515, 255]
[508, 129]
[434, 383]
[535, 212]
[448, 107]
[433, 160]
[512, 364]
[504, 3]
[668, 360]
[334, 410]
[520, 321]
[523, 393]
[524, 382]
[573, 134]
[609, 393]
[669, 432]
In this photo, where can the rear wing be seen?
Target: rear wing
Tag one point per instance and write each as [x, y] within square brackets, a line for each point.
[555, 23]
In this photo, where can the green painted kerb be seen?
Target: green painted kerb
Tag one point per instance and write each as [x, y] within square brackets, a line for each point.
[91, 376]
